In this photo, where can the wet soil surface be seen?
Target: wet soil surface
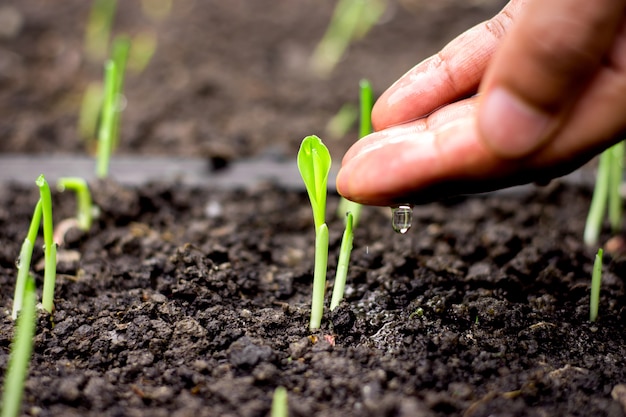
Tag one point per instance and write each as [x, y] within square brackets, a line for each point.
[185, 301]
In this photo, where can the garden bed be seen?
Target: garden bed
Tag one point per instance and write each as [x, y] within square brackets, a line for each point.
[192, 301]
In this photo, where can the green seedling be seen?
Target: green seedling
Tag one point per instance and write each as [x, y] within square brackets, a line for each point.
[314, 165]
[279, 403]
[339, 125]
[596, 281]
[366, 102]
[121, 47]
[50, 248]
[98, 28]
[23, 262]
[106, 131]
[342, 263]
[606, 192]
[89, 114]
[85, 210]
[615, 183]
[142, 51]
[351, 20]
[21, 350]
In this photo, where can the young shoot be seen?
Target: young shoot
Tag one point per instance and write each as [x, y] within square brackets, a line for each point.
[121, 47]
[351, 20]
[107, 119]
[606, 192]
[99, 28]
[596, 281]
[279, 403]
[615, 183]
[50, 248]
[19, 356]
[85, 210]
[314, 165]
[342, 263]
[89, 114]
[23, 262]
[366, 102]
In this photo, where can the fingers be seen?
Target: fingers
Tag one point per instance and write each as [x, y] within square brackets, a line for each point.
[540, 70]
[444, 155]
[453, 73]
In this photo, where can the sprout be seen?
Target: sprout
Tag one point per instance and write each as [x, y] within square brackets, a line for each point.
[314, 165]
[121, 47]
[50, 248]
[85, 209]
[351, 20]
[99, 28]
[366, 100]
[106, 131]
[279, 403]
[21, 350]
[89, 113]
[607, 190]
[342, 263]
[23, 263]
[596, 280]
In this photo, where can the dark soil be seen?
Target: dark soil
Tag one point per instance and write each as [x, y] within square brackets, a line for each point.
[196, 302]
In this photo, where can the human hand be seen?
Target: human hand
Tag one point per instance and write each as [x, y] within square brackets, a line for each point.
[551, 84]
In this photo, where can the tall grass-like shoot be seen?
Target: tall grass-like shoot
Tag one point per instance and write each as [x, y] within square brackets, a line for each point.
[23, 263]
[366, 102]
[279, 403]
[597, 210]
[314, 165]
[21, 350]
[339, 125]
[89, 113]
[121, 48]
[85, 209]
[99, 28]
[142, 51]
[343, 263]
[596, 281]
[106, 131]
[351, 20]
[615, 183]
[50, 248]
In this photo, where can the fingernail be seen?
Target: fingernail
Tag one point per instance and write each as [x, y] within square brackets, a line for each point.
[509, 126]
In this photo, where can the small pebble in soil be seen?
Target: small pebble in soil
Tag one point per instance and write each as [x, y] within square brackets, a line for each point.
[401, 217]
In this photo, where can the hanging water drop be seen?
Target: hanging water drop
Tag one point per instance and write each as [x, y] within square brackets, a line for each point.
[401, 217]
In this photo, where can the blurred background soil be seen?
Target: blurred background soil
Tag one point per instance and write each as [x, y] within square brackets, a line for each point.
[229, 78]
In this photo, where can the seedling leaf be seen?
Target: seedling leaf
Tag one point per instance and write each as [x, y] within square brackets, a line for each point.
[314, 165]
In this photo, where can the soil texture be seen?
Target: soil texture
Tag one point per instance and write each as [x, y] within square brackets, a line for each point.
[189, 302]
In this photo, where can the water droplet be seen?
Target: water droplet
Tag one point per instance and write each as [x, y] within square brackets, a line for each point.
[18, 262]
[401, 217]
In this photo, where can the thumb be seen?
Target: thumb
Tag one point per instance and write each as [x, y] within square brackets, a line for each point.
[541, 68]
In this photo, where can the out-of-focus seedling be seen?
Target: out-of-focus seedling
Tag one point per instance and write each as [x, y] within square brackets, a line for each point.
[98, 29]
[606, 192]
[351, 20]
[279, 403]
[21, 350]
[366, 102]
[23, 262]
[106, 131]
